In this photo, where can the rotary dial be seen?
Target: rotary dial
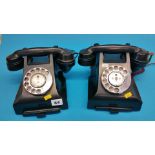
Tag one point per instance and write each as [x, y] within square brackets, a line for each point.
[37, 81]
[116, 79]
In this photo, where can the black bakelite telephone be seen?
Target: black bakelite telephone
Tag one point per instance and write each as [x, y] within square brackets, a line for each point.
[111, 85]
[43, 89]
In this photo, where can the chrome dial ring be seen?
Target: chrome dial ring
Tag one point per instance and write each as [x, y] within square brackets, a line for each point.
[116, 79]
[37, 81]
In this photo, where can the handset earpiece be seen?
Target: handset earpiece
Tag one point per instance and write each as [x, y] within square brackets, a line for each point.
[66, 60]
[140, 58]
[86, 58]
[15, 62]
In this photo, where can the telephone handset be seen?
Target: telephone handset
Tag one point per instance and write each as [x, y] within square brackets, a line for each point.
[111, 86]
[43, 89]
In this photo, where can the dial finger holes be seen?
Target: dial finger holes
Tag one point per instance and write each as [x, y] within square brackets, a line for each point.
[110, 68]
[107, 85]
[104, 76]
[125, 71]
[104, 80]
[46, 72]
[120, 68]
[38, 91]
[28, 74]
[33, 90]
[37, 69]
[26, 84]
[116, 67]
[26, 79]
[29, 88]
[106, 71]
[111, 88]
[32, 71]
[116, 90]
[42, 69]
